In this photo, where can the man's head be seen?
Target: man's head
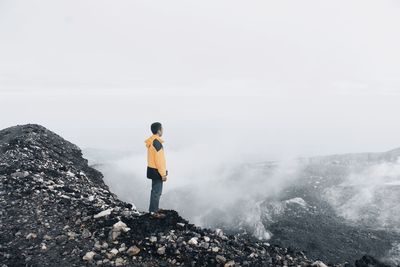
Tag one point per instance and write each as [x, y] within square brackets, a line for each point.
[156, 128]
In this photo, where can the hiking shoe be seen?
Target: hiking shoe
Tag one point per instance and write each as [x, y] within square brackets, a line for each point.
[157, 215]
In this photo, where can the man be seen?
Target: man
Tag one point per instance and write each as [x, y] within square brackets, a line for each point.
[156, 168]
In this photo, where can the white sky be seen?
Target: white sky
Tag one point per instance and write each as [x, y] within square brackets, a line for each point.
[275, 78]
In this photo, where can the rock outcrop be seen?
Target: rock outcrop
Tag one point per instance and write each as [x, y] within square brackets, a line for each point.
[57, 211]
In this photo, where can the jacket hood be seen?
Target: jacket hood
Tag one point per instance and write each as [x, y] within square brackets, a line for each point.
[149, 140]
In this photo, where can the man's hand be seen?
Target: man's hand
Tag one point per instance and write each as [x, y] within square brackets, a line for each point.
[164, 178]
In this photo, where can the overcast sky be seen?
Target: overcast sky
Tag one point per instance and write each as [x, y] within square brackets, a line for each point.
[274, 78]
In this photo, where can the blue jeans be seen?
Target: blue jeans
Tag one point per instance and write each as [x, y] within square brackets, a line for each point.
[156, 189]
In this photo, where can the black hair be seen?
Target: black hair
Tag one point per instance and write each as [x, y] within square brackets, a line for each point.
[155, 127]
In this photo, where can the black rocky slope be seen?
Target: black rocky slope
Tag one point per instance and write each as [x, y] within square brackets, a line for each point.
[319, 228]
[57, 211]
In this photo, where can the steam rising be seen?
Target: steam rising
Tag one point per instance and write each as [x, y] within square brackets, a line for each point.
[210, 185]
[370, 196]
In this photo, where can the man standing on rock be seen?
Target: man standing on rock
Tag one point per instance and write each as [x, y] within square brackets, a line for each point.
[156, 168]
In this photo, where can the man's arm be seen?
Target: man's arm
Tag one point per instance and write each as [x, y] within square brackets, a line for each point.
[160, 159]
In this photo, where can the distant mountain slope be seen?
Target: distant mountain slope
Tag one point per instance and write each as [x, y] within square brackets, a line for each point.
[356, 158]
[351, 207]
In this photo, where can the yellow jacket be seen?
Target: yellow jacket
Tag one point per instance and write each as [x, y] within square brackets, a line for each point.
[156, 164]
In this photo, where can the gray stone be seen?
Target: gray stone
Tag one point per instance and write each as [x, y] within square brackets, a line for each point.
[132, 251]
[161, 250]
[89, 256]
[220, 259]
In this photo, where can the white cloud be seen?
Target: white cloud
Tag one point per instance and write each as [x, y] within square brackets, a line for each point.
[308, 77]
